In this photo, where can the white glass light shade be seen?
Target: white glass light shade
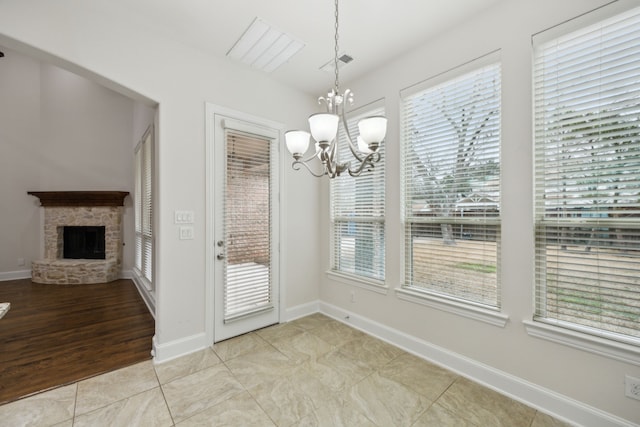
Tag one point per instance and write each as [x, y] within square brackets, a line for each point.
[324, 126]
[297, 141]
[373, 129]
[362, 146]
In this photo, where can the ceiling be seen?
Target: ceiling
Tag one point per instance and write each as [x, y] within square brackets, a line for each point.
[373, 32]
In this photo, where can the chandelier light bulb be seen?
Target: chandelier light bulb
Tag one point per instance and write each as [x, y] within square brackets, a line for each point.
[324, 126]
[373, 129]
[297, 142]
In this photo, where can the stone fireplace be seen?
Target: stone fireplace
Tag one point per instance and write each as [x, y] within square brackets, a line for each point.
[87, 212]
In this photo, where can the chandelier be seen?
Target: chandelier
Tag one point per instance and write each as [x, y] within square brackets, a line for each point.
[324, 130]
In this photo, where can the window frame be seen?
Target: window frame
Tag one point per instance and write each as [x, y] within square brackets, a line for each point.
[376, 284]
[594, 340]
[406, 291]
[143, 210]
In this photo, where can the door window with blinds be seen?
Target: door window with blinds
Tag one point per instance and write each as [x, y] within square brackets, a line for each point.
[451, 184]
[143, 195]
[357, 212]
[587, 177]
[247, 224]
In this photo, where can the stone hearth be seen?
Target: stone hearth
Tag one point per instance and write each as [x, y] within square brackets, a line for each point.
[79, 208]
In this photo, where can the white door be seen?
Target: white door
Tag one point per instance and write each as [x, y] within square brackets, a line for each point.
[246, 227]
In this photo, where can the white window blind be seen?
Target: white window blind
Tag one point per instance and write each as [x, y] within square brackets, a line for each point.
[138, 209]
[357, 212]
[587, 178]
[247, 224]
[144, 208]
[451, 184]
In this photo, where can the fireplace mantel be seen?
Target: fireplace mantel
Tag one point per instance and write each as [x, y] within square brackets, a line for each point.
[80, 198]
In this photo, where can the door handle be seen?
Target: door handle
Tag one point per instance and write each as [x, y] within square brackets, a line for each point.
[220, 256]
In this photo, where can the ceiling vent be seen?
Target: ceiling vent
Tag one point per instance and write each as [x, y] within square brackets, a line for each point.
[263, 47]
[343, 60]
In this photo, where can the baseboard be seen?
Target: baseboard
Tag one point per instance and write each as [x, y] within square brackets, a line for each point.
[15, 275]
[173, 349]
[544, 400]
[301, 311]
[177, 348]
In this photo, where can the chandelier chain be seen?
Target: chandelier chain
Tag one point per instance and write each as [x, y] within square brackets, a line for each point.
[335, 59]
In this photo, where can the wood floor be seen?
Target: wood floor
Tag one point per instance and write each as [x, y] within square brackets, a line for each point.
[55, 335]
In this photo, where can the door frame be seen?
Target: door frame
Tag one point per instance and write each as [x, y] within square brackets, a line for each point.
[213, 112]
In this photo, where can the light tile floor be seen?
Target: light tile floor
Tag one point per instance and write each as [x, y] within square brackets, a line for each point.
[313, 371]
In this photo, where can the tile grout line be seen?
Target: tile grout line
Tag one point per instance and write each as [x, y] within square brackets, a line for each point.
[75, 405]
[164, 398]
[115, 401]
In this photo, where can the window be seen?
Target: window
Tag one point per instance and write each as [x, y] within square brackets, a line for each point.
[143, 209]
[451, 185]
[357, 213]
[248, 223]
[587, 178]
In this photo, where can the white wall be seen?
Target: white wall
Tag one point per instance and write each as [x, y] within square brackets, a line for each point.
[96, 39]
[588, 378]
[19, 111]
[58, 131]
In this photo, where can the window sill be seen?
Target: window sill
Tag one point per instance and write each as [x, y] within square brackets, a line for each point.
[361, 282]
[598, 345]
[489, 316]
[143, 280]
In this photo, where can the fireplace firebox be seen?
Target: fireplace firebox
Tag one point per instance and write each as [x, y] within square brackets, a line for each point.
[83, 242]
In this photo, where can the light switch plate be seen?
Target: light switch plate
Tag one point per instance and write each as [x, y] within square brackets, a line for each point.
[183, 217]
[186, 233]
